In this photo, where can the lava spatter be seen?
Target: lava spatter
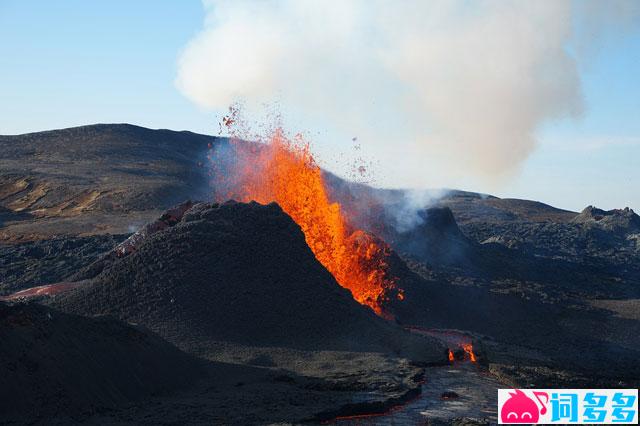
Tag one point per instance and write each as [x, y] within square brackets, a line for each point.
[285, 171]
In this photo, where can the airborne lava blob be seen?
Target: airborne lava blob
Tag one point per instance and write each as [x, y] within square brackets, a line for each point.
[285, 171]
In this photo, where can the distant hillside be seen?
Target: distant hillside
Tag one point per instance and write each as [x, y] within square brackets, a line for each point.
[469, 207]
[95, 179]
[112, 178]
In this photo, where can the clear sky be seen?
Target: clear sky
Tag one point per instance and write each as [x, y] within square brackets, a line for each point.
[70, 63]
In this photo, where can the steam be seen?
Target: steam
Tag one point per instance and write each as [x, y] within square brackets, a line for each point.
[465, 85]
[409, 212]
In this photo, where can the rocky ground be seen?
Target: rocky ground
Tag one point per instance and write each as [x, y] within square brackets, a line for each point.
[65, 369]
[462, 393]
[552, 294]
[56, 365]
[235, 287]
[550, 298]
[49, 261]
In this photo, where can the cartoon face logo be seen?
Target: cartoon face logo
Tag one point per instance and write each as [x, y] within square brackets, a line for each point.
[519, 408]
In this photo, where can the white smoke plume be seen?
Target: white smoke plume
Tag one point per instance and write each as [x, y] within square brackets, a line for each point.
[464, 84]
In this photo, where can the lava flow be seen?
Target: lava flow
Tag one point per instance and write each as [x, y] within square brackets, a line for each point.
[285, 171]
[468, 349]
[464, 351]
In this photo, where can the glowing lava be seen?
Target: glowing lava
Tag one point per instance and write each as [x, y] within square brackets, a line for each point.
[468, 348]
[284, 171]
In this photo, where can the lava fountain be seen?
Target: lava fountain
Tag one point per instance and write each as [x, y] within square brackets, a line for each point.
[284, 171]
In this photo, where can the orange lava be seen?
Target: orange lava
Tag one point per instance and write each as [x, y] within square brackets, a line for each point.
[284, 171]
[468, 348]
[451, 357]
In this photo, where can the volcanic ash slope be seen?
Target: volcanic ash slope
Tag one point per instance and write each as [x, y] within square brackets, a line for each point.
[56, 365]
[239, 273]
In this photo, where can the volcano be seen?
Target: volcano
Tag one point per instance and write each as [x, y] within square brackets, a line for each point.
[242, 273]
[307, 297]
[284, 171]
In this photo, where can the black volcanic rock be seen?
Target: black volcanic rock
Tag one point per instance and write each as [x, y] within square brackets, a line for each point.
[617, 220]
[440, 220]
[436, 238]
[54, 364]
[36, 263]
[239, 273]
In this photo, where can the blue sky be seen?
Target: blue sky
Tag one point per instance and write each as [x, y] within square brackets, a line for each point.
[71, 63]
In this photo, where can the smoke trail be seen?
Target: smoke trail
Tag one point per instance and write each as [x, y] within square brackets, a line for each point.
[462, 84]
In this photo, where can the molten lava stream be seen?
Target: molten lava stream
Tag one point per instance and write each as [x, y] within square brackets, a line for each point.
[467, 353]
[453, 339]
[464, 355]
[468, 348]
[285, 172]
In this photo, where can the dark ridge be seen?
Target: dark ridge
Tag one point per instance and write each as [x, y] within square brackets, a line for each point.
[240, 273]
[60, 365]
[100, 127]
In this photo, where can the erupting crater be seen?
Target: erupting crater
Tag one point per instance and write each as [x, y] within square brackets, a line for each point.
[284, 171]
